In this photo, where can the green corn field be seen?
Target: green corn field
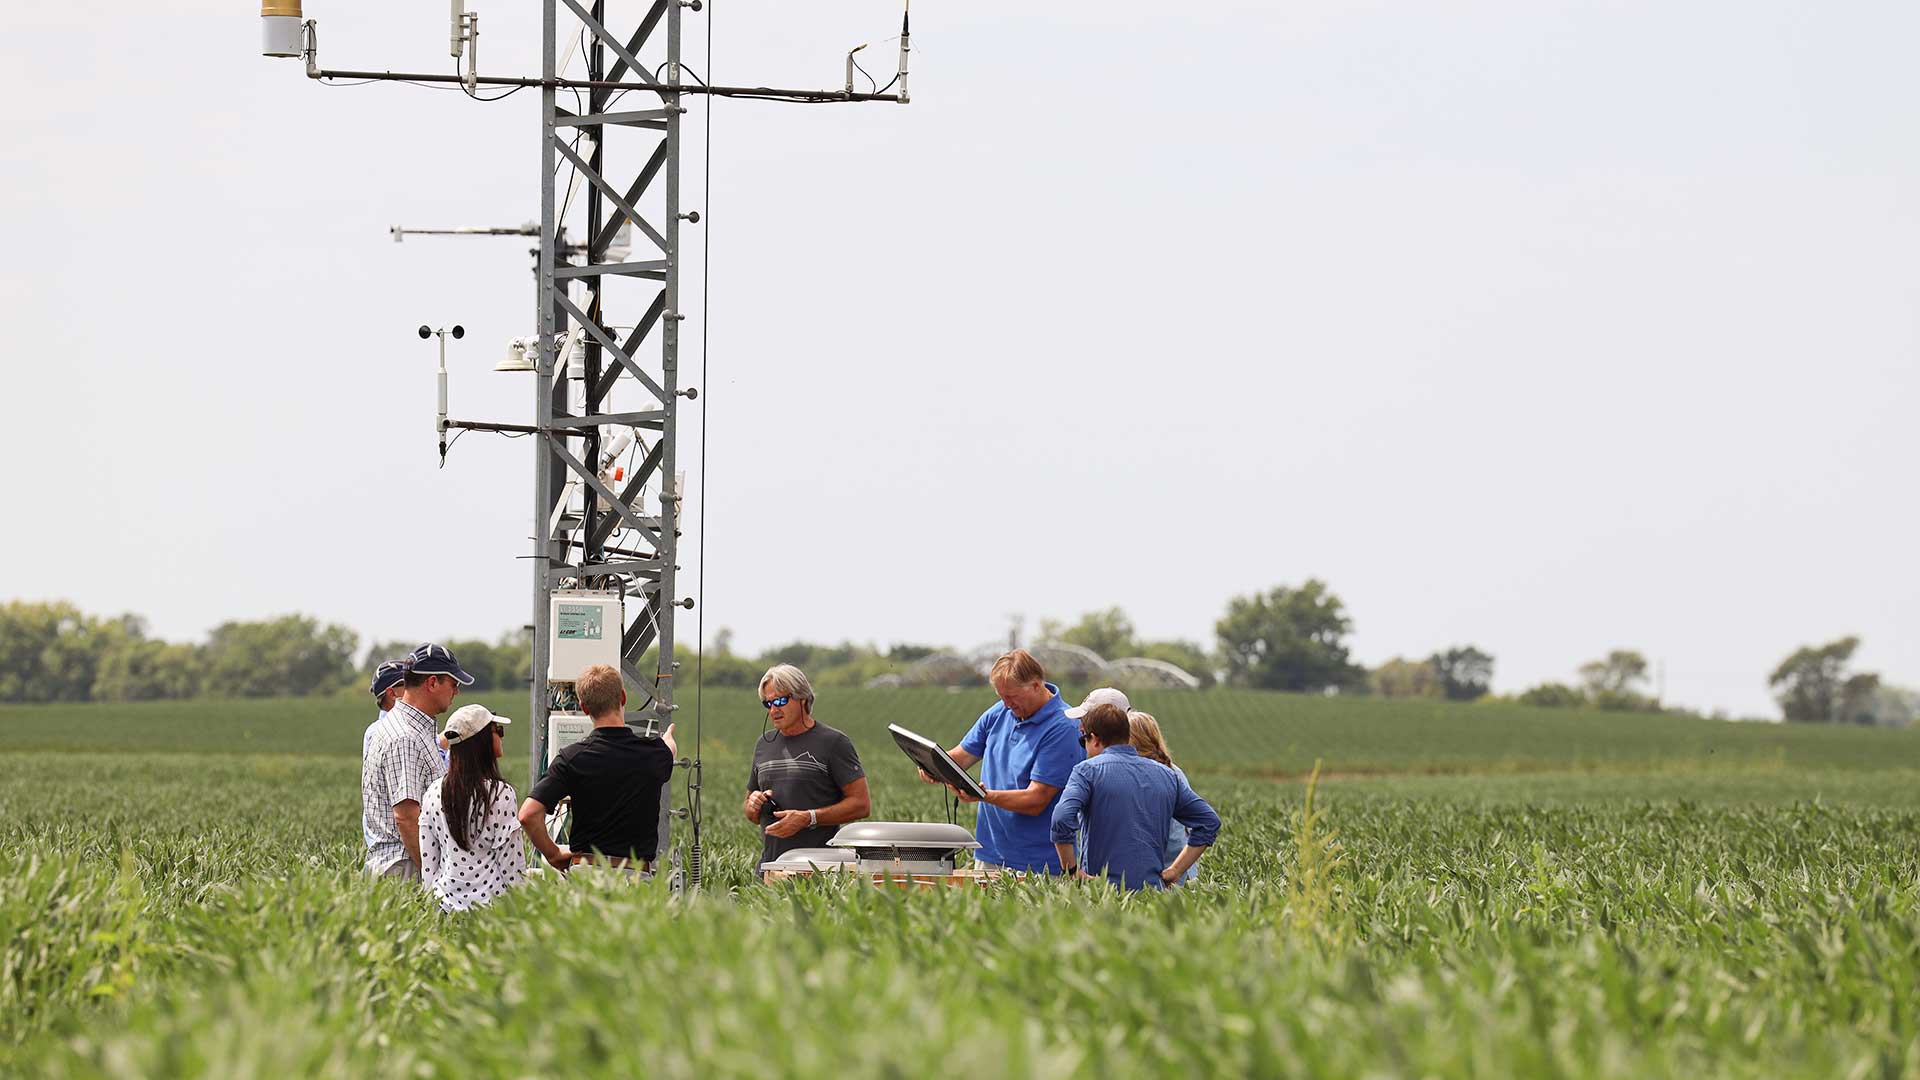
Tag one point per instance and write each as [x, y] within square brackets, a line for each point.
[1476, 891]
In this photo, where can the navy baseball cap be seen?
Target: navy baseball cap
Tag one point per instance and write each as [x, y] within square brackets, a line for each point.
[431, 659]
[389, 674]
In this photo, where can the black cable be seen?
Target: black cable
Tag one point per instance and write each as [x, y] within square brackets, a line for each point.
[870, 79]
[698, 81]
[768, 93]
[496, 97]
[578, 108]
[476, 96]
[579, 49]
[451, 443]
[896, 74]
[502, 434]
[745, 93]
[560, 219]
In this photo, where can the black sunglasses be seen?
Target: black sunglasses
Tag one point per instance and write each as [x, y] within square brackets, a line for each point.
[774, 703]
[1084, 736]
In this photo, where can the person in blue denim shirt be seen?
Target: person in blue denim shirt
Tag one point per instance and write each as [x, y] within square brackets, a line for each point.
[1122, 802]
[1144, 733]
[388, 679]
[1027, 744]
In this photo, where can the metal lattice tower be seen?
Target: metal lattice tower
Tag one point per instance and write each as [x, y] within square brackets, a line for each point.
[570, 549]
[617, 289]
[574, 550]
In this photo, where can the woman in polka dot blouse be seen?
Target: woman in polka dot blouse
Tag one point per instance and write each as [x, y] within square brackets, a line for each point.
[469, 834]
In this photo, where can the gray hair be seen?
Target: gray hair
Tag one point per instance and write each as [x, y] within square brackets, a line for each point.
[789, 680]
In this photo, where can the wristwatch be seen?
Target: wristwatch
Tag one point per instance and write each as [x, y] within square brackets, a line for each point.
[813, 819]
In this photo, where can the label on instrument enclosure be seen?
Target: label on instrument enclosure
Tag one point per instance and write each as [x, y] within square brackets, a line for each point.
[579, 622]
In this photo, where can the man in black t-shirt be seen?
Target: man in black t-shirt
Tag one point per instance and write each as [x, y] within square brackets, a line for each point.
[614, 778]
[806, 779]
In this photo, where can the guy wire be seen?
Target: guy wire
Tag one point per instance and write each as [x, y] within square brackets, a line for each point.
[706, 395]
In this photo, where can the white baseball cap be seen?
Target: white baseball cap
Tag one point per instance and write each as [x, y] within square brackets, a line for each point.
[1106, 695]
[470, 720]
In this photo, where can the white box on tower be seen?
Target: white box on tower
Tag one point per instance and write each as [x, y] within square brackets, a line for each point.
[565, 729]
[583, 629]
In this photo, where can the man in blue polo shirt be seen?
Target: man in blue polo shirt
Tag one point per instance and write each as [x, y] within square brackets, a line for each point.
[1029, 747]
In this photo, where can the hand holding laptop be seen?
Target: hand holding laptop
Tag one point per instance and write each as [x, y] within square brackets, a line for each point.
[936, 766]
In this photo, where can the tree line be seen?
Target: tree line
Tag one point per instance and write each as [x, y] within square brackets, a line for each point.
[53, 651]
[1295, 639]
[1290, 638]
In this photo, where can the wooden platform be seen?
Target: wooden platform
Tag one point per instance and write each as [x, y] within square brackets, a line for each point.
[959, 878]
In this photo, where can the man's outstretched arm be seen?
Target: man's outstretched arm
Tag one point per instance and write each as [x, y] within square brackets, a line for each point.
[533, 822]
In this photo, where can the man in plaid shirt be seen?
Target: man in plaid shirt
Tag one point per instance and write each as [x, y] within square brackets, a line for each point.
[402, 758]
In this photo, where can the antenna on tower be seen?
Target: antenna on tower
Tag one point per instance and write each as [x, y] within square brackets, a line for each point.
[457, 30]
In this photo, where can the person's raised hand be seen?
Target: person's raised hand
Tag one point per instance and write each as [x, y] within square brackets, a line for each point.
[757, 801]
[924, 778]
[787, 822]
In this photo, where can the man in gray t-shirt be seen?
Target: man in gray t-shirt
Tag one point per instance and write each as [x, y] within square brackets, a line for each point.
[806, 779]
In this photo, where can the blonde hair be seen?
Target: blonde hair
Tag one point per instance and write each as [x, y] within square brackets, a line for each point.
[789, 680]
[1017, 667]
[599, 690]
[1146, 738]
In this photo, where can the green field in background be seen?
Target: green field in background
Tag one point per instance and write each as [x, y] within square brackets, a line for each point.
[1249, 733]
[1514, 892]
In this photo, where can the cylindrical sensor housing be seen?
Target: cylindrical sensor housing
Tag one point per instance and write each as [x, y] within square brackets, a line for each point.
[457, 28]
[577, 359]
[281, 32]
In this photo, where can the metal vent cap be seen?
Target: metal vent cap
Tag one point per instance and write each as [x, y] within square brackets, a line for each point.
[923, 835]
[808, 859]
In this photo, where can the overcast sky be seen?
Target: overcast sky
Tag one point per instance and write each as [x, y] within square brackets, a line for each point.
[1550, 327]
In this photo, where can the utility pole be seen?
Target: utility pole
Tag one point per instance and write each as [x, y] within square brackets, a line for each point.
[613, 541]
